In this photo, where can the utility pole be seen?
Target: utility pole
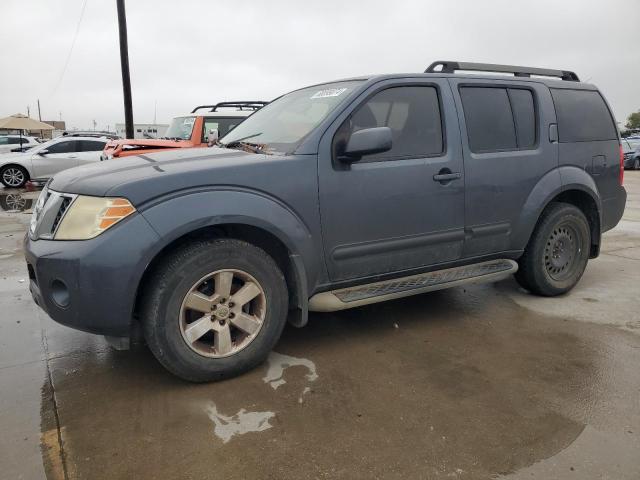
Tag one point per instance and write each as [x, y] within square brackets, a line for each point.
[40, 118]
[124, 66]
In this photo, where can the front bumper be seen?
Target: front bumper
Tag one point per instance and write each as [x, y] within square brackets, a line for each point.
[91, 285]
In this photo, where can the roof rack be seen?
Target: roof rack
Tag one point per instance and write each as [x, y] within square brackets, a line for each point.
[253, 105]
[451, 67]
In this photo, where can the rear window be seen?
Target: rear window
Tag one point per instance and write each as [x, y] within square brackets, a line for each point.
[582, 116]
[499, 119]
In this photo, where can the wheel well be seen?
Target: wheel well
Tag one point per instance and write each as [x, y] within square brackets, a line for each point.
[250, 234]
[588, 206]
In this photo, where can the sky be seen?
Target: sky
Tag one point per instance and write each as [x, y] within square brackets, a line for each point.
[190, 52]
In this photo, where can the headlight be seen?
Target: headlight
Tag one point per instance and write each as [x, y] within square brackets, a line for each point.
[88, 217]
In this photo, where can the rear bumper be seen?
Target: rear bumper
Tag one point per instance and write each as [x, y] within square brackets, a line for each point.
[91, 285]
[612, 209]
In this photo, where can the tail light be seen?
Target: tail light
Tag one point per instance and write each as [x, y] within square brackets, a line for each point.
[621, 179]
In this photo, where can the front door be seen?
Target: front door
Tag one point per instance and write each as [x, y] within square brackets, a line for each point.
[59, 156]
[393, 211]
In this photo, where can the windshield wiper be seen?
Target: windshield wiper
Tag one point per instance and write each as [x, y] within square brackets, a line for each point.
[253, 147]
[240, 140]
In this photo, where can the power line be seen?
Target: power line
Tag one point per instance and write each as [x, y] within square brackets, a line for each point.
[73, 44]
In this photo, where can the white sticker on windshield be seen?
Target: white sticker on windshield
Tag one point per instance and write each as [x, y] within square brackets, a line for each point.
[329, 92]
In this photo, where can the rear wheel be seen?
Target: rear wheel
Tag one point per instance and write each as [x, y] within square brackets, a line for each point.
[557, 253]
[13, 176]
[215, 309]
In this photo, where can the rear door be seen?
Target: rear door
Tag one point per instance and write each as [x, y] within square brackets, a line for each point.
[388, 212]
[507, 150]
[60, 156]
[89, 151]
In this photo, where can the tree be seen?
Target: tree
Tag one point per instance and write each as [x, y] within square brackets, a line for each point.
[633, 121]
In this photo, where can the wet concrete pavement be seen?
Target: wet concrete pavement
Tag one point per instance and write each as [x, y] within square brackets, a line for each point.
[479, 382]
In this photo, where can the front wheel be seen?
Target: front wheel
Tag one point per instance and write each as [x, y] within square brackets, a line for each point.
[557, 253]
[13, 176]
[214, 309]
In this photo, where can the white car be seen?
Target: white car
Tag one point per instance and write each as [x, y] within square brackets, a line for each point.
[45, 160]
[10, 142]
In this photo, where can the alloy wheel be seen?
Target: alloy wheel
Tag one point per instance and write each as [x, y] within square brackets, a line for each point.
[13, 177]
[222, 313]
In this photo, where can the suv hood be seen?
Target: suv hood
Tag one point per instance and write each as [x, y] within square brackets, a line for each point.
[144, 177]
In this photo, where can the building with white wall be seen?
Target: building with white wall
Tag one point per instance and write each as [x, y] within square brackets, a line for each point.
[143, 130]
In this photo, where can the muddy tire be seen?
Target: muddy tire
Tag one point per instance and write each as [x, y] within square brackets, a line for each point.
[214, 309]
[13, 176]
[557, 253]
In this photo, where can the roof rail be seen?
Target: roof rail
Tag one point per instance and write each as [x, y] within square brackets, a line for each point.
[249, 105]
[451, 67]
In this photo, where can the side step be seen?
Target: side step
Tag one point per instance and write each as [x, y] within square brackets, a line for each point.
[490, 271]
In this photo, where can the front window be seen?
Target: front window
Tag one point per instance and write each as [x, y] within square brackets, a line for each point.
[283, 124]
[180, 128]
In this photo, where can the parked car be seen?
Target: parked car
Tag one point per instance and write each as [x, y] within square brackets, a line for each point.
[46, 159]
[9, 143]
[331, 197]
[631, 148]
[188, 131]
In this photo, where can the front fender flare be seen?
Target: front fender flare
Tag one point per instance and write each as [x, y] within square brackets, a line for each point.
[180, 215]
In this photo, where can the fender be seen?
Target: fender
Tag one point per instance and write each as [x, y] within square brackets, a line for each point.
[230, 205]
[548, 187]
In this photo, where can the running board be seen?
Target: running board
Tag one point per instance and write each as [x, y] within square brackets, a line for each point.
[490, 271]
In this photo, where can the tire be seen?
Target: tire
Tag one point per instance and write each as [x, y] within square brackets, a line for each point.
[557, 253]
[13, 176]
[169, 322]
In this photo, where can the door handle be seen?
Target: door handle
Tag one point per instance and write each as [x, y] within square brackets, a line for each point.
[443, 177]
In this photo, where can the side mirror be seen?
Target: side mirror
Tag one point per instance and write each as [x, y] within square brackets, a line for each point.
[367, 142]
[212, 137]
[43, 152]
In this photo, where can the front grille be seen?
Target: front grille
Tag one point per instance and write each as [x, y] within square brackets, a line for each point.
[48, 213]
[64, 206]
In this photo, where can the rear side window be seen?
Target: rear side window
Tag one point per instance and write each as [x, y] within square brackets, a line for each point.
[499, 119]
[91, 146]
[524, 115]
[223, 125]
[582, 116]
[413, 115]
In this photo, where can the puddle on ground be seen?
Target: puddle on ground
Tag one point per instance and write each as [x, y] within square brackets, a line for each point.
[226, 427]
[278, 363]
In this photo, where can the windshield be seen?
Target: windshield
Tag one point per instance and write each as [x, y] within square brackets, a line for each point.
[282, 125]
[180, 128]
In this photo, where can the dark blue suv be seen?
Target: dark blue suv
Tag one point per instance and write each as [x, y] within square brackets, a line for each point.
[331, 197]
